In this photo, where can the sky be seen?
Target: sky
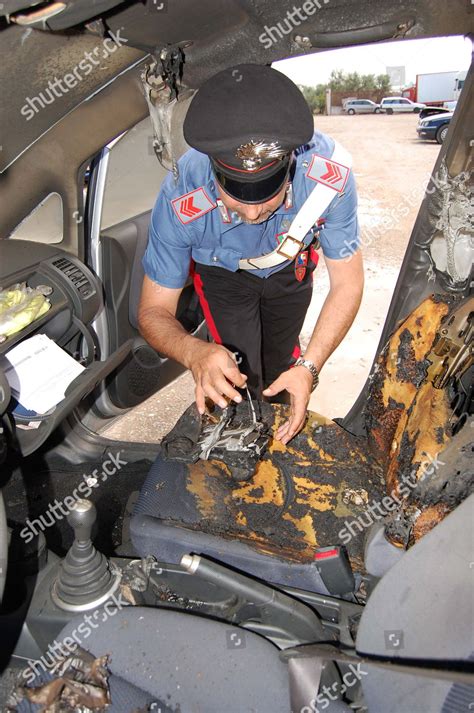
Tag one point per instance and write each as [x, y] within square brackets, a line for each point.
[441, 54]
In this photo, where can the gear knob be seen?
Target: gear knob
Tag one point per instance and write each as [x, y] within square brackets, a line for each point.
[81, 518]
[85, 577]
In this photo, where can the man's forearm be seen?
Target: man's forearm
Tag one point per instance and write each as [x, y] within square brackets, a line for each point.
[337, 314]
[165, 334]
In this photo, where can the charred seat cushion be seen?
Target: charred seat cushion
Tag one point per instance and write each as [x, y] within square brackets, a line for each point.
[269, 526]
[318, 490]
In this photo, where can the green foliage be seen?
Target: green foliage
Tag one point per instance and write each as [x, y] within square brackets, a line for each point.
[351, 83]
[315, 97]
[337, 80]
[354, 82]
[382, 82]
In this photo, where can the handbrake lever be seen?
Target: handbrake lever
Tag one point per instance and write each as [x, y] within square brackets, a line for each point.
[262, 608]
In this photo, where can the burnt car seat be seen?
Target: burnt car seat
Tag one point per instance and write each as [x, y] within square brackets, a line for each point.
[165, 660]
[319, 490]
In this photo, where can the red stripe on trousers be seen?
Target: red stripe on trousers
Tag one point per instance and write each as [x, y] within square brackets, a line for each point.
[198, 286]
[296, 352]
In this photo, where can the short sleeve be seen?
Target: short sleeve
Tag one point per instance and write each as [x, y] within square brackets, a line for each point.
[168, 254]
[340, 236]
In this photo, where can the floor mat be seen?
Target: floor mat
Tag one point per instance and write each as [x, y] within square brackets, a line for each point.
[39, 494]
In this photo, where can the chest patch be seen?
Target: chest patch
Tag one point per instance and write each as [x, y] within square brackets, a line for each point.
[301, 263]
[328, 172]
[192, 205]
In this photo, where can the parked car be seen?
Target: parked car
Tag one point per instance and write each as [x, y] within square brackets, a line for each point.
[430, 110]
[361, 106]
[391, 105]
[254, 605]
[434, 127]
[450, 106]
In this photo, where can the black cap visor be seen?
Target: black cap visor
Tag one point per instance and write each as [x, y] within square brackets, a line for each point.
[253, 191]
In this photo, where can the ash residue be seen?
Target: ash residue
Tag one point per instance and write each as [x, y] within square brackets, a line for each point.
[256, 492]
[408, 368]
[381, 427]
[260, 515]
[406, 467]
[399, 526]
[453, 480]
[168, 596]
[395, 405]
[440, 298]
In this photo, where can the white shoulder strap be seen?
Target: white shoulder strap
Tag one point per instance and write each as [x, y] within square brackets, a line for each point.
[330, 175]
[326, 171]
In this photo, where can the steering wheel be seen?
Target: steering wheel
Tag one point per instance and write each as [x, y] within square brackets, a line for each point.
[5, 395]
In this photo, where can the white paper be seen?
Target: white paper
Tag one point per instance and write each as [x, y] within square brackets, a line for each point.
[39, 372]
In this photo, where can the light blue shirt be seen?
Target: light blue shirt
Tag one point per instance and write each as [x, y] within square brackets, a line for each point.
[208, 240]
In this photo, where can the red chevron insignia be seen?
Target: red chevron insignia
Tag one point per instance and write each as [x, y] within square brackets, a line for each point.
[187, 207]
[333, 174]
[192, 205]
[329, 173]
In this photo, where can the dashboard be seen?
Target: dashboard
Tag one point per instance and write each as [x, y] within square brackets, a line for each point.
[76, 298]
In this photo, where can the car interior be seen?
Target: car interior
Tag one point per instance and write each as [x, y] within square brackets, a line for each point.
[338, 576]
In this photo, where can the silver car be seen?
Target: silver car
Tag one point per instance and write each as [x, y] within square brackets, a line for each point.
[361, 106]
[392, 105]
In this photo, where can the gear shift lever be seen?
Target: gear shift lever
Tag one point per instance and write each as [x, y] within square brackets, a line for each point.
[85, 578]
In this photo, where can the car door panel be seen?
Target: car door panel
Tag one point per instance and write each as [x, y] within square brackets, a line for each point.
[126, 177]
[145, 371]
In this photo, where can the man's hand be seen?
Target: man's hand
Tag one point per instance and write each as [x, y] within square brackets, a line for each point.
[214, 370]
[298, 381]
[213, 366]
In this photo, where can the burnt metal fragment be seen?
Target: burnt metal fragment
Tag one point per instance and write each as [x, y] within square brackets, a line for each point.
[79, 684]
[237, 436]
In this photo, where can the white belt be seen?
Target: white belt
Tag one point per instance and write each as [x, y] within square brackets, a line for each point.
[309, 213]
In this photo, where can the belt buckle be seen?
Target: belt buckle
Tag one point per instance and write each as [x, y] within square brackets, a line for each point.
[293, 244]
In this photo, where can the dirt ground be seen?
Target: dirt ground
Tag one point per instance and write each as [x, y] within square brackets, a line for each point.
[391, 167]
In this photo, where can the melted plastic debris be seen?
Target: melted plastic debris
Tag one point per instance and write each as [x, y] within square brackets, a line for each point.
[79, 685]
[356, 496]
[236, 436]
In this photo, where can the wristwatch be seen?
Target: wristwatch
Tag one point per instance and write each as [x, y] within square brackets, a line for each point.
[311, 367]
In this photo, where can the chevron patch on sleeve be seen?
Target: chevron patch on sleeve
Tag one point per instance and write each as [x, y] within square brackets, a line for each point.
[192, 205]
[328, 172]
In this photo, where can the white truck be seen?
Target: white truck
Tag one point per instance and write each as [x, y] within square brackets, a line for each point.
[436, 88]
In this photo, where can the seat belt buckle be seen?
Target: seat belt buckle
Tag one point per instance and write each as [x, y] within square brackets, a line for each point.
[335, 569]
[290, 247]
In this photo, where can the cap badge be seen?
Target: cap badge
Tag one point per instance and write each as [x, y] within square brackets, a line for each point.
[253, 153]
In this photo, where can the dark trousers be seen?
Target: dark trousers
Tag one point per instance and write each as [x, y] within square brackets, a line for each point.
[261, 319]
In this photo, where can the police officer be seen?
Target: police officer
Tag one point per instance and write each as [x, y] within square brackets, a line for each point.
[259, 190]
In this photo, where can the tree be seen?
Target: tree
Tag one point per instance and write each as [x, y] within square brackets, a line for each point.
[368, 83]
[382, 82]
[315, 97]
[345, 83]
[353, 82]
[336, 80]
